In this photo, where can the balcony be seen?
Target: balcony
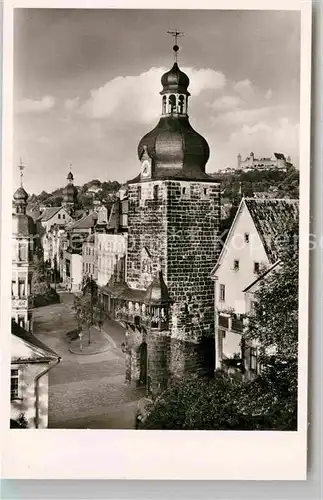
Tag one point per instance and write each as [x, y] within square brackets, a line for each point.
[232, 322]
[148, 322]
[21, 302]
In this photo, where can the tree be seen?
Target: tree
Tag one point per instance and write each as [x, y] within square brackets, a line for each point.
[88, 309]
[274, 322]
[270, 400]
[274, 326]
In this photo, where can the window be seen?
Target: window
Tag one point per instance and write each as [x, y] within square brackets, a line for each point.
[156, 189]
[236, 265]
[256, 267]
[59, 216]
[184, 190]
[205, 191]
[172, 103]
[222, 293]
[246, 237]
[83, 266]
[14, 386]
[253, 359]
[181, 104]
[13, 288]
[164, 105]
[21, 290]
[139, 192]
[63, 216]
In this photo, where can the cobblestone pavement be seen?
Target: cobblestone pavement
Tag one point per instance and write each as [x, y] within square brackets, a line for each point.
[85, 391]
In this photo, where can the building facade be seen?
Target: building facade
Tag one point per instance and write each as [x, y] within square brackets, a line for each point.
[31, 361]
[251, 248]
[89, 258]
[167, 302]
[24, 241]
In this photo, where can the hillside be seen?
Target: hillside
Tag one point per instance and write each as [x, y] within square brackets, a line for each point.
[106, 193]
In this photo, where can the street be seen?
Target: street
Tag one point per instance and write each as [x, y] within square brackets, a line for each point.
[85, 391]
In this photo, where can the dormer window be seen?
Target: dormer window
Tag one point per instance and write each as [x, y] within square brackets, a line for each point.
[246, 237]
[236, 265]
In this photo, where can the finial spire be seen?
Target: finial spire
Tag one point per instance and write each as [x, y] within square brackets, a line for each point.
[176, 34]
[21, 167]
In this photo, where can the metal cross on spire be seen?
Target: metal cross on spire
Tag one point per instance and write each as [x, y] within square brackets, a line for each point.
[21, 167]
[176, 34]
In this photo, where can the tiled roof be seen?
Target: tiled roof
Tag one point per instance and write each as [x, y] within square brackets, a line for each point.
[279, 156]
[271, 218]
[87, 222]
[21, 333]
[48, 213]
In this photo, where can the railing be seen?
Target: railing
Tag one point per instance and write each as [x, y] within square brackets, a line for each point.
[232, 322]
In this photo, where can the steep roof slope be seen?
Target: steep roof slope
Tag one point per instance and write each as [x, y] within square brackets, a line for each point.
[271, 218]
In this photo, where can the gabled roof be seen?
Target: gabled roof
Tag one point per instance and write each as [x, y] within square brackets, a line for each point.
[271, 218]
[48, 213]
[87, 222]
[33, 341]
[262, 276]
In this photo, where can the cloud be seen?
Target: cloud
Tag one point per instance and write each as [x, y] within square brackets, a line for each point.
[137, 99]
[269, 94]
[226, 102]
[244, 88]
[70, 104]
[245, 116]
[265, 138]
[34, 106]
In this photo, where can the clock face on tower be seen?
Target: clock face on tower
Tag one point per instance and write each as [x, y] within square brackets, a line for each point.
[145, 168]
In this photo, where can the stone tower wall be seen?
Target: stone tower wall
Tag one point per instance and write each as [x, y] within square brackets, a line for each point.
[147, 228]
[193, 218]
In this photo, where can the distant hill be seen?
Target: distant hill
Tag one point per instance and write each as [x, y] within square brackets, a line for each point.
[271, 183]
[106, 194]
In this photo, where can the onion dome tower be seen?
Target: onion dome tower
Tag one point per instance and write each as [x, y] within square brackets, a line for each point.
[23, 247]
[69, 192]
[173, 149]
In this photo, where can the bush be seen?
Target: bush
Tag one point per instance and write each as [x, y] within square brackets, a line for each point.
[50, 296]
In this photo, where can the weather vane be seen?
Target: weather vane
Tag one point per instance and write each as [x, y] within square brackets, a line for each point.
[21, 167]
[176, 34]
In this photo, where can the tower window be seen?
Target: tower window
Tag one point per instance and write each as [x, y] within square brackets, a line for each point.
[156, 192]
[236, 265]
[172, 103]
[139, 192]
[181, 104]
[246, 237]
[164, 104]
[205, 191]
[183, 190]
[256, 267]
[222, 293]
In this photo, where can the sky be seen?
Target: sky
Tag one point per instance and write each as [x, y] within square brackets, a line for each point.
[87, 83]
